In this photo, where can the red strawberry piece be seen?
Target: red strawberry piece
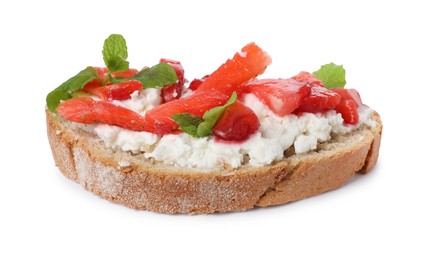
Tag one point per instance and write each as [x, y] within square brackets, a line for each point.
[196, 104]
[320, 100]
[308, 78]
[173, 91]
[92, 85]
[348, 110]
[244, 66]
[350, 101]
[215, 91]
[349, 93]
[282, 96]
[194, 85]
[102, 79]
[119, 91]
[237, 123]
[101, 74]
[88, 111]
[125, 74]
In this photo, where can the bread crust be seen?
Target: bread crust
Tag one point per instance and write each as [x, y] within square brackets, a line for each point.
[165, 189]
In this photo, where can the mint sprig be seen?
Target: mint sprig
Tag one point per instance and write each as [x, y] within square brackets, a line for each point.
[156, 76]
[115, 53]
[115, 57]
[331, 75]
[197, 127]
[65, 90]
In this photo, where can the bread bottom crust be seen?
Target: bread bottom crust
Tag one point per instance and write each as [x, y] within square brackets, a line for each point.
[165, 189]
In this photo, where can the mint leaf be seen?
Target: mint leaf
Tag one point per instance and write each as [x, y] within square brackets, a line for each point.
[78, 81]
[54, 98]
[188, 123]
[212, 116]
[332, 75]
[64, 91]
[156, 76]
[115, 53]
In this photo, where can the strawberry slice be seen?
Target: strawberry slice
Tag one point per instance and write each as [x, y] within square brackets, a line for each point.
[244, 66]
[308, 78]
[119, 91]
[126, 74]
[348, 110]
[173, 91]
[282, 96]
[350, 101]
[320, 100]
[194, 85]
[215, 91]
[349, 93]
[237, 123]
[196, 104]
[102, 80]
[101, 74]
[88, 111]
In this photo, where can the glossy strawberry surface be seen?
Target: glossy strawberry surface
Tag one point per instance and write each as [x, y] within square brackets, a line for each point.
[195, 83]
[173, 91]
[348, 110]
[237, 123]
[119, 91]
[282, 96]
[102, 77]
[197, 104]
[308, 78]
[88, 111]
[349, 93]
[126, 74]
[320, 100]
[245, 65]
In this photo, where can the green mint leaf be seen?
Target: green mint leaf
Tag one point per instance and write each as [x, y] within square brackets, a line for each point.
[212, 116]
[78, 81]
[115, 53]
[332, 75]
[156, 76]
[188, 123]
[54, 98]
[64, 91]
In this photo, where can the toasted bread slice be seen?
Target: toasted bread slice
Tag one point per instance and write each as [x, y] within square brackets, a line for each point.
[140, 183]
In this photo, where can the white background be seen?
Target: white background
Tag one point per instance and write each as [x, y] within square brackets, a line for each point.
[45, 216]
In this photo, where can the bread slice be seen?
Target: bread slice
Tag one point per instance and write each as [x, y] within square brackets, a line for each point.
[140, 183]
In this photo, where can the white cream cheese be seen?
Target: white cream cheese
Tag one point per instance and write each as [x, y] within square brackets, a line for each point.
[142, 102]
[276, 134]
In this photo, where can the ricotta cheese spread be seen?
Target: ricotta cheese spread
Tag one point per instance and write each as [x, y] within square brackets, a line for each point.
[276, 134]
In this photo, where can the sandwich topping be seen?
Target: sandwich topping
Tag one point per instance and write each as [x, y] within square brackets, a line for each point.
[223, 120]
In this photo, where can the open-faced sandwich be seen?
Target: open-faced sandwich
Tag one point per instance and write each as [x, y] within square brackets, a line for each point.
[228, 141]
